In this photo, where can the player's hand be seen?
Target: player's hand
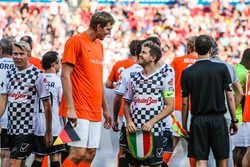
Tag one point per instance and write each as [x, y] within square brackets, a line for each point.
[131, 127]
[147, 126]
[108, 120]
[72, 117]
[0, 129]
[115, 126]
[48, 139]
[233, 128]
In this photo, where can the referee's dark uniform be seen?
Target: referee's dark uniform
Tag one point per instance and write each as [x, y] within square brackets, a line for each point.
[206, 83]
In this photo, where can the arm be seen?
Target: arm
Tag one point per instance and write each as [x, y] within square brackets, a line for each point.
[106, 114]
[116, 109]
[164, 113]
[48, 119]
[109, 84]
[238, 93]
[231, 106]
[3, 100]
[130, 124]
[184, 112]
[67, 91]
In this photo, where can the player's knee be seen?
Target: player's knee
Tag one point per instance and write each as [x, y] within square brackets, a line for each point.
[90, 154]
[5, 154]
[38, 158]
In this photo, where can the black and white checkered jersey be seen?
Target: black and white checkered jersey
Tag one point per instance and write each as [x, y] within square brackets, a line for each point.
[55, 89]
[5, 65]
[24, 89]
[146, 94]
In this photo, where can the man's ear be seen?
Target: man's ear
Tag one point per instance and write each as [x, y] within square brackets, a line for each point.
[98, 27]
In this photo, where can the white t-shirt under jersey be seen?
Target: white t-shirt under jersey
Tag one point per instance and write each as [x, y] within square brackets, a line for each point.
[55, 89]
[5, 65]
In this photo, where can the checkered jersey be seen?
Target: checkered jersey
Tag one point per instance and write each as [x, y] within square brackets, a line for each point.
[146, 95]
[5, 65]
[24, 88]
[55, 89]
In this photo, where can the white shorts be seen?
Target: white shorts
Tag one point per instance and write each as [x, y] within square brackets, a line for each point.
[89, 133]
[242, 138]
[177, 114]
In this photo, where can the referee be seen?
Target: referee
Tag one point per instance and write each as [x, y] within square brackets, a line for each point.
[205, 83]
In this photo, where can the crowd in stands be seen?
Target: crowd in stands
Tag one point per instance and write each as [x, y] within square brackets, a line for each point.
[50, 25]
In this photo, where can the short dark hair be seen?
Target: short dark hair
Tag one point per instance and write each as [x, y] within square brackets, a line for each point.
[133, 46]
[154, 39]
[102, 18]
[7, 46]
[154, 51]
[246, 55]
[48, 59]
[27, 39]
[203, 44]
[214, 47]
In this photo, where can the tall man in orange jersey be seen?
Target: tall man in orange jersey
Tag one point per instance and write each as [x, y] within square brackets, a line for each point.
[179, 64]
[82, 83]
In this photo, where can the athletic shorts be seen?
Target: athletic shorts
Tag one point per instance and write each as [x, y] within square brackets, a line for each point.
[167, 141]
[247, 134]
[239, 138]
[21, 146]
[123, 138]
[89, 133]
[177, 114]
[208, 131]
[154, 159]
[40, 147]
[5, 140]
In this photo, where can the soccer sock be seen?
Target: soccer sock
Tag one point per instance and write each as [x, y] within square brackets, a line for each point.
[83, 164]
[166, 157]
[192, 162]
[55, 164]
[68, 163]
[36, 164]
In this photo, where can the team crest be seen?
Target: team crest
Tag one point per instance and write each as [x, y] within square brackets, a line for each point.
[140, 144]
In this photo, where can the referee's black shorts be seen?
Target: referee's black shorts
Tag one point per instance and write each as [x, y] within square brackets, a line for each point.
[208, 131]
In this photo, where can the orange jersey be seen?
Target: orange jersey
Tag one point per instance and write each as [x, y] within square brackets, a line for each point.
[179, 64]
[246, 113]
[116, 71]
[36, 62]
[118, 68]
[87, 57]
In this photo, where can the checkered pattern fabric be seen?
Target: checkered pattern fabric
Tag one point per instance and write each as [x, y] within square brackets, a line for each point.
[147, 97]
[21, 101]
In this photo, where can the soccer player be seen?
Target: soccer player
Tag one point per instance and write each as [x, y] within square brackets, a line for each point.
[51, 65]
[152, 94]
[179, 64]
[24, 86]
[32, 60]
[6, 63]
[239, 139]
[206, 82]
[82, 83]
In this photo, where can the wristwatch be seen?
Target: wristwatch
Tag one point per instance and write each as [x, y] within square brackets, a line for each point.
[235, 121]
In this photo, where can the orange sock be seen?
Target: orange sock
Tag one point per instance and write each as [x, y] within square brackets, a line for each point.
[83, 164]
[68, 163]
[166, 157]
[45, 161]
[192, 162]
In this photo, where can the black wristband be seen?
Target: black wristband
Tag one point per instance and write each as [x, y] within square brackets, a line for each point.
[235, 121]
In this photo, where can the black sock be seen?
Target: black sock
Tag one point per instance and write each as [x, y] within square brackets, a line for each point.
[55, 164]
[36, 164]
